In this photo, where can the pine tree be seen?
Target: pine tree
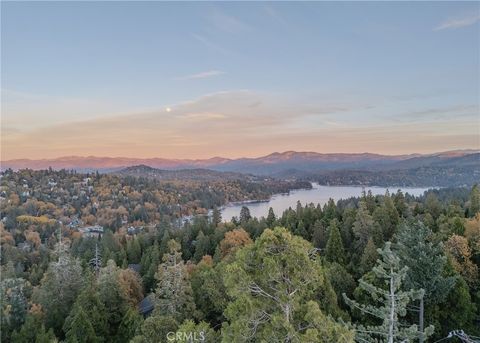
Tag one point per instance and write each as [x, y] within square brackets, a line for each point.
[131, 321]
[89, 301]
[245, 215]
[335, 251]
[149, 265]
[174, 293]
[272, 283]
[59, 289]
[300, 230]
[432, 205]
[329, 211]
[202, 246]
[134, 251]
[216, 217]
[393, 302]
[369, 257]
[400, 204]
[386, 215]
[364, 227]
[112, 297]
[33, 331]
[319, 238]
[271, 218]
[78, 327]
[426, 263]
[155, 329]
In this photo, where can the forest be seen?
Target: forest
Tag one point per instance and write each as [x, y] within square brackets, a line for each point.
[425, 176]
[389, 268]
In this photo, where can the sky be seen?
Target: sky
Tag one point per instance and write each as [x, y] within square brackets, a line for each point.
[238, 79]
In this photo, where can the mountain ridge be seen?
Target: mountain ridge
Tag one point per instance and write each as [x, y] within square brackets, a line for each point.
[268, 164]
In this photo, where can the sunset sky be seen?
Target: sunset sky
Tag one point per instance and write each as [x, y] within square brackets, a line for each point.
[197, 80]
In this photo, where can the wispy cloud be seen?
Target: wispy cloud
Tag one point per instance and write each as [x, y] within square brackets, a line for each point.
[201, 75]
[228, 23]
[202, 116]
[211, 45]
[441, 113]
[458, 22]
[239, 122]
[227, 122]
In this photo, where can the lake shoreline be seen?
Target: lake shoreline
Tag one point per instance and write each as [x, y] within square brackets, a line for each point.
[318, 194]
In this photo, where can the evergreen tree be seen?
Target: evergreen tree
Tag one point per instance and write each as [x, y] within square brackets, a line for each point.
[131, 321]
[458, 311]
[393, 302]
[78, 327]
[155, 329]
[33, 331]
[134, 251]
[386, 215]
[348, 218]
[432, 205]
[474, 206]
[300, 230]
[271, 218]
[174, 293]
[273, 283]
[14, 305]
[245, 215]
[364, 228]
[216, 217]
[426, 263]
[209, 292]
[89, 301]
[335, 251]
[202, 246]
[329, 211]
[149, 265]
[369, 200]
[112, 297]
[400, 204]
[341, 281]
[319, 238]
[59, 289]
[369, 257]
[164, 244]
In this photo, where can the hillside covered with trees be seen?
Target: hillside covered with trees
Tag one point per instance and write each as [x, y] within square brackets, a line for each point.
[65, 198]
[389, 268]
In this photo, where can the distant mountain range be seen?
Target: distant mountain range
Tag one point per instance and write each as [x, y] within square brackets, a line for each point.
[286, 163]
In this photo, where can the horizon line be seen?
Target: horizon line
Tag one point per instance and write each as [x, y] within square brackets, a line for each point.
[473, 150]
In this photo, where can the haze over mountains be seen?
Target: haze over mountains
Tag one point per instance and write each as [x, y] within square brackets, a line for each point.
[287, 163]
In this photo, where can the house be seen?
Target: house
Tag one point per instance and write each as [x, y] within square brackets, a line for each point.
[91, 231]
[146, 306]
[74, 223]
[132, 230]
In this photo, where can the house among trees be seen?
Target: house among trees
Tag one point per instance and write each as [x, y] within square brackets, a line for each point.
[91, 231]
[146, 306]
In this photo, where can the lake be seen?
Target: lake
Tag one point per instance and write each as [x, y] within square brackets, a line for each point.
[317, 195]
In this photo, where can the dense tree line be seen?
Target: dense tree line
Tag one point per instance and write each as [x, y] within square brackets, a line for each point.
[374, 268]
[426, 176]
